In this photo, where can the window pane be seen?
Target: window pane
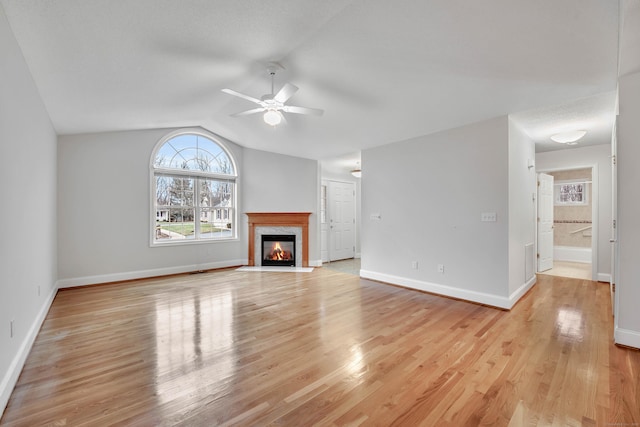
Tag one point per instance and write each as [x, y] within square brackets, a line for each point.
[194, 152]
[216, 203]
[571, 193]
[177, 225]
[323, 204]
[181, 191]
[163, 196]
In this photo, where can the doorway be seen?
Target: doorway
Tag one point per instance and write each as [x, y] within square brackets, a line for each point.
[338, 220]
[574, 224]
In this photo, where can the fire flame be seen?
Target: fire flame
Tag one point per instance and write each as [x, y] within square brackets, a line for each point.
[277, 253]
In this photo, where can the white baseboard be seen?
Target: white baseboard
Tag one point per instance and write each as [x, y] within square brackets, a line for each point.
[315, 263]
[604, 277]
[141, 274]
[519, 293]
[15, 368]
[464, 294]
[627, 337]
[572, 254]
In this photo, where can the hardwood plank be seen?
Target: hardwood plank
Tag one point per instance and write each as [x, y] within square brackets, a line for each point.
[323, 348]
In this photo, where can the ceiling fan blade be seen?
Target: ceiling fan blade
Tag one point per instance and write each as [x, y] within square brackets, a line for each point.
[246, 113]
[242, 95]
[285, 93]
[302, 110]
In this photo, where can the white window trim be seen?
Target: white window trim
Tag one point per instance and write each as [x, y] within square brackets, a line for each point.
[191, 173]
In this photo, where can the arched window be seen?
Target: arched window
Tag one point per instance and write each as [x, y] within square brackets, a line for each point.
[193, 181]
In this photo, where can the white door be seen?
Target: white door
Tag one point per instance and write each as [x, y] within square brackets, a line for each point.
[545, 222]
[342, 214]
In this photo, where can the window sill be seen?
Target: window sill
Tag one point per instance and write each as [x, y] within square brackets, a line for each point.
[187, 242]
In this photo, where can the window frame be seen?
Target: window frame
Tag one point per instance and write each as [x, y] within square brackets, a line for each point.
[557, 192]
[198, 176]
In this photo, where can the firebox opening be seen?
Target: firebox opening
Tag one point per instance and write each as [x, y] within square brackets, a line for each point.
[278, 250]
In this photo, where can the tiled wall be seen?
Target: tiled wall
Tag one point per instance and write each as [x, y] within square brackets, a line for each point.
[571, 218]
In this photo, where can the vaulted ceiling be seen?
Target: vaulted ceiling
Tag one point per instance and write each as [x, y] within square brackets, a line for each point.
[382, 70]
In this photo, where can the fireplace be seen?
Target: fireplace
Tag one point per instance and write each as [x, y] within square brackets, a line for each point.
[278, 250]
[278, 223]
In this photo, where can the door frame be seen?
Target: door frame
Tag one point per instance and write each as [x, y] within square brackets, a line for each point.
[595, 200]
[613, 241]
[326, 232]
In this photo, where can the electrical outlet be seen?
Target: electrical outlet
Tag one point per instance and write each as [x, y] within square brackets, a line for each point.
[414, 265]
[441, 268]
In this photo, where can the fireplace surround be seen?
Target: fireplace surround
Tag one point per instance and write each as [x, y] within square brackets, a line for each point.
[296, 223]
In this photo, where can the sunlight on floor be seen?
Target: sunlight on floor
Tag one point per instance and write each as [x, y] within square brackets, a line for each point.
[349, 266]
[576, 270]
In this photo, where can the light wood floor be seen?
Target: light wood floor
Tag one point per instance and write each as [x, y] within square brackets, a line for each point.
[325, 348]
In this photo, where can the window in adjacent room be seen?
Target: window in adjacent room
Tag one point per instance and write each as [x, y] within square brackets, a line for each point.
[193, 181]
[571, 193]
[323, 204]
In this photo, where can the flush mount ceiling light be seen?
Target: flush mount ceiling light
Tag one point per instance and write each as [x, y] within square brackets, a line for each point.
[357, 172]
[569, 137]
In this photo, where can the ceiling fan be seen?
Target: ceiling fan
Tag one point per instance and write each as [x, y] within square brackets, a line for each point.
[273, 105]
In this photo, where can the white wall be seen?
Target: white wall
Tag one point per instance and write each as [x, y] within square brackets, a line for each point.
[104, 187]
[522, 211]
[599, 156]
[627, 331]
[277, 183]
[28, 214]
[430, 192]
[104, 213]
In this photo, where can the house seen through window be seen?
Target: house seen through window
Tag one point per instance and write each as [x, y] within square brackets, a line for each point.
[194, 190]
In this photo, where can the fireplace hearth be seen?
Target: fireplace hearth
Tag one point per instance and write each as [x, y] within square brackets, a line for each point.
[278, 250]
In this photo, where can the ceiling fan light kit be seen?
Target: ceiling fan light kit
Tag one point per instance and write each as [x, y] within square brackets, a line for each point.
[272, 117]
[273, 105]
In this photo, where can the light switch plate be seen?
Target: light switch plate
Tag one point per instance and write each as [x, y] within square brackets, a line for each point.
[488, 217]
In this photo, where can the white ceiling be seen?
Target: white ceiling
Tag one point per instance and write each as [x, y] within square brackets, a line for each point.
[383, 71]
[596, 114]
